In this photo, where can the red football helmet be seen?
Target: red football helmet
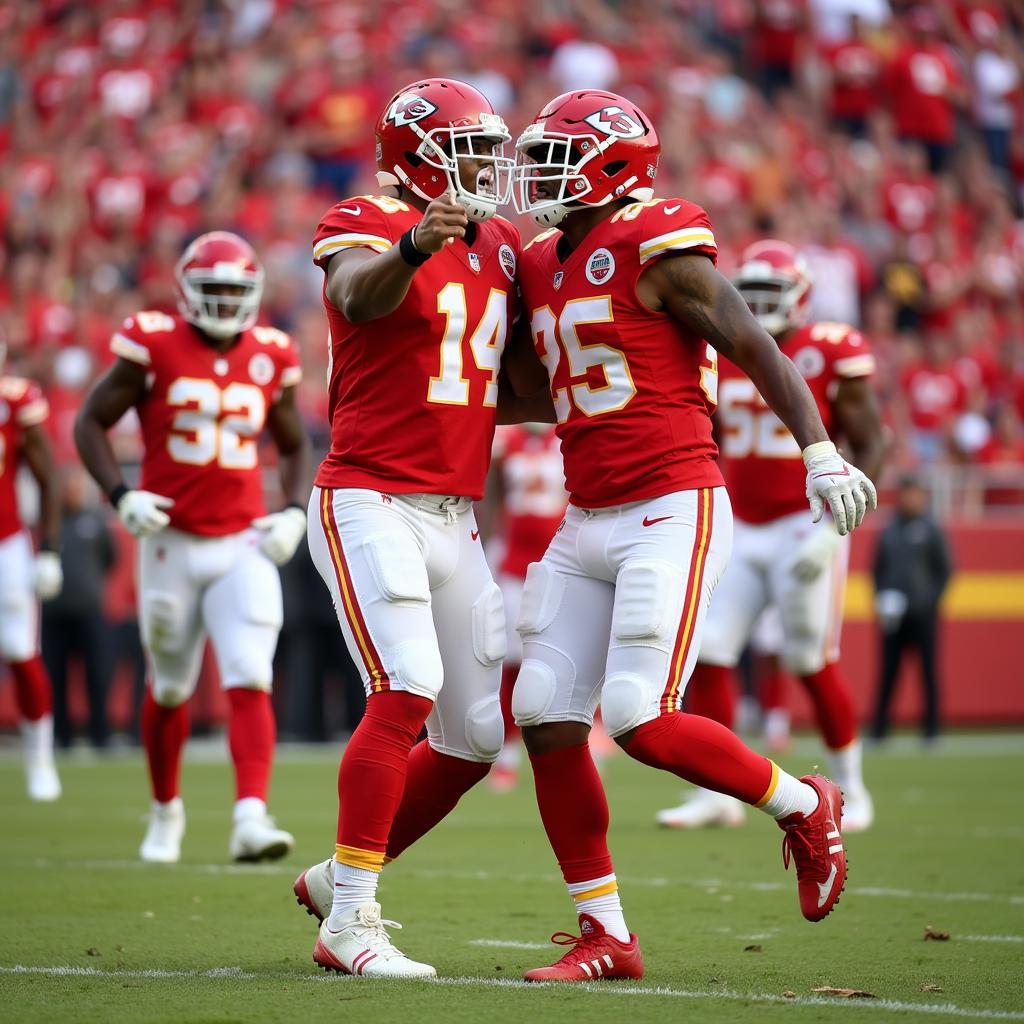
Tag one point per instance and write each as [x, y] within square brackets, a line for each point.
[774, 280]
[212, 262]
[427, 128]
[584, 148]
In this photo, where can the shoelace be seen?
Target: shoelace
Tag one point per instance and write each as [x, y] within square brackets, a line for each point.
[377, 939]
[565, 939]
[807, 856]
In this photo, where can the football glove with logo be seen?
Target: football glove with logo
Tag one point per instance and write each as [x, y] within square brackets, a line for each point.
[49, 576]
[284, 532]
[142, 512]
[846, 489]
[814, 554]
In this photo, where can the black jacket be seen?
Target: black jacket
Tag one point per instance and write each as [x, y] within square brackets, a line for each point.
[913, 557]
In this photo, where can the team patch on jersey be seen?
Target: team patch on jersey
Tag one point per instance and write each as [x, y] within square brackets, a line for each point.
[556, 281]
[474, 262]
[507, 259]
[810, 362]
[261, 369]
[614, 121]
[600, 266]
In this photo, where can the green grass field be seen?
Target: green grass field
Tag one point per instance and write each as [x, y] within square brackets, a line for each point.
[87, 933]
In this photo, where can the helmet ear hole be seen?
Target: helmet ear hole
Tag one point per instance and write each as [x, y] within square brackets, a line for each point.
[613, 168]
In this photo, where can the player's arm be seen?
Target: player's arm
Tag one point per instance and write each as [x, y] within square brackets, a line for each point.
[120, 388]
[523, 392]
[285, 529]
[38, 455]
[364, 285]
[860, 423]
[690, 289]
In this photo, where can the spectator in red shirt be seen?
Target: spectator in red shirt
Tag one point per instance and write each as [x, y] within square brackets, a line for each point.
[778, 33]
[855, 69]
[1003, 459]
[925, 87]
[935, 394]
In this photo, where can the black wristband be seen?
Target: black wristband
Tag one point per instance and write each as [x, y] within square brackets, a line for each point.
[409, 252]
[116, 493]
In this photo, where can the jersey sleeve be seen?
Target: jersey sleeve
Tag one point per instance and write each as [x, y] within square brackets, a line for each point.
[135, 339]
[31, 408]
[355, 223]
[670, 226]
[852, 356]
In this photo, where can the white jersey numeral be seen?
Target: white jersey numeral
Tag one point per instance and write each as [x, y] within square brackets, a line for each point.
[749, 427]
[551, 337]
[486, 344]
[214, 423]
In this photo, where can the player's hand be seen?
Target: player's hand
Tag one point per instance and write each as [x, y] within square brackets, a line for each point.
[443, 221]
[815, 554]
[142, 512]
[285, 530]
[846, 489]
[49, 576]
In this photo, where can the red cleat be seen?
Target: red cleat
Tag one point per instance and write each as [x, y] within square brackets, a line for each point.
[816, 846]
[595, 955]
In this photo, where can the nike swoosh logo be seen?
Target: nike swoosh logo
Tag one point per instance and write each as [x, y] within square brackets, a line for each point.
[474, 534]
[669, 210]
[651, 522]
[845, 472]
[354, 210]
[825, 888]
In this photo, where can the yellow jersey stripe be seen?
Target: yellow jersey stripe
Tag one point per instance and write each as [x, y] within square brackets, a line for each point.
[130, 350]
[676, 240]
[34, 413]
[694, 595]
[329, 246]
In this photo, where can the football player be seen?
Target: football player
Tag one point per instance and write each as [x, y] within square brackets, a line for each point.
[205, 383]
[419, 291]
[526, 499]
[628, 312]
[27, 579]
[779, 558]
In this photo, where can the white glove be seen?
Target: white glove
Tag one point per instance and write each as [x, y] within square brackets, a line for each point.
[49, 576]
[890, 606]
[846, 489]
[815, 554]
[142, 512]
[285, 530]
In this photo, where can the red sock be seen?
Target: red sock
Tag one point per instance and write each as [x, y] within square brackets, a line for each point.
[574, 810]
[509, 674]
[372, 774]
[251, 734]
[833, 706]
[711, 692]
[164, 731]
[772, 684]
[433, 786]
[31, 688]
[704, 753]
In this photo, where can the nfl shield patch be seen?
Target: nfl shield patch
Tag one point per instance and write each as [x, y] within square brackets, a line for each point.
[557, 279]
[474, 262]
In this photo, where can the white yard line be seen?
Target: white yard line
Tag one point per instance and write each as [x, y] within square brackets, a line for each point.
[990, 938]
[622, 991]
[508, 944]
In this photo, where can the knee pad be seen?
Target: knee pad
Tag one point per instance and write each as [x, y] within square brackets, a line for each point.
[485, 729]
[164, 623]
[18, 627]
[534, 692]
[647, 598]
[542, 596]
[169, 691]
[803, 659]
[624, 702]
[398, 567]
[416, 666]
[490, 644]
[248, 669]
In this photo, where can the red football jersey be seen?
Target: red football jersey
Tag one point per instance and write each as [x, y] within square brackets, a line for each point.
[413, 394]
[763, 466]
[21, 405]
[202, 416]
[531, 470]
[633, 389]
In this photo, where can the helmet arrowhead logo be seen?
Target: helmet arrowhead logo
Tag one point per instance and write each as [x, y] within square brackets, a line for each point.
[409, 108]
[615, 122]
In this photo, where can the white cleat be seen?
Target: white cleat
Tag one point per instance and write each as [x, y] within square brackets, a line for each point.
[858, 809]
[705, 809]
[162, 843]
[256, 837]
[363, 947]
[314, 889]
[42, 780]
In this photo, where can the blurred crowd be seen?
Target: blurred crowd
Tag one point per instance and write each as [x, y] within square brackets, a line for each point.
[882, 136]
